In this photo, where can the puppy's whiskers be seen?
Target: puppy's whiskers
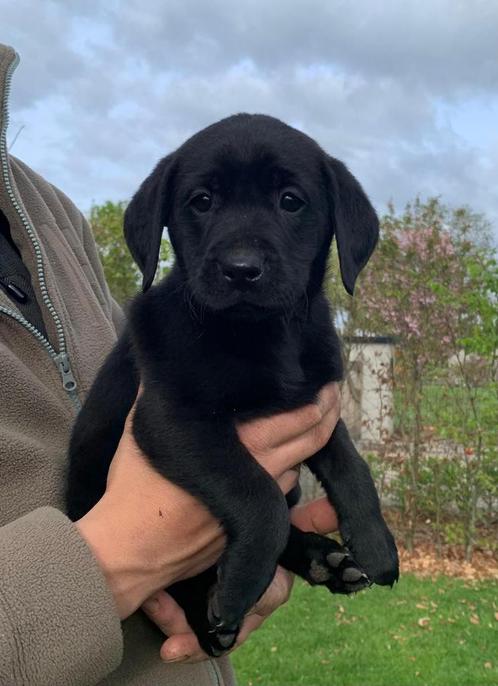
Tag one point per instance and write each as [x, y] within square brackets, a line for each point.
[196, 310]
[285, 301]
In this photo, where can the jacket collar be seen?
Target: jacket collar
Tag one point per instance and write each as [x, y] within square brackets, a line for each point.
[8, 62]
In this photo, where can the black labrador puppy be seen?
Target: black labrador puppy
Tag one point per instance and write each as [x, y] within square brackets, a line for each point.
[239, 329]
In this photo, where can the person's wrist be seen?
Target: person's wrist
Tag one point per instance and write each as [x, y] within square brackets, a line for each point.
[131, 574]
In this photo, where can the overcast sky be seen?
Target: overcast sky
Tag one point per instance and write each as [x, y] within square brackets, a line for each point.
[406, 93]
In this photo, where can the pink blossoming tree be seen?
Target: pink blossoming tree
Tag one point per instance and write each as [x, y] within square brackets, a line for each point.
[433, 285]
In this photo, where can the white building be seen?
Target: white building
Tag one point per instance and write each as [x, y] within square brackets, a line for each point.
[367, 397]
[367, 392]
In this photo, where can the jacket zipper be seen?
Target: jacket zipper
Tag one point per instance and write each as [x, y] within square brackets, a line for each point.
[61, 358]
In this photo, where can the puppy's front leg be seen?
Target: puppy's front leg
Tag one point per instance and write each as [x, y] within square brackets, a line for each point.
[348, 483]
[206, 458]
[98, 429]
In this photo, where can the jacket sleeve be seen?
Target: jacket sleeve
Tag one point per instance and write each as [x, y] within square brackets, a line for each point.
[58, 621]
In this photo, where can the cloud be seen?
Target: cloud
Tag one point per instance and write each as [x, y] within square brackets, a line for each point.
[105, 89]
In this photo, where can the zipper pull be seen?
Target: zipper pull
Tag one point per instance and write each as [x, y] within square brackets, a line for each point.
[14, 291]
[68, 380]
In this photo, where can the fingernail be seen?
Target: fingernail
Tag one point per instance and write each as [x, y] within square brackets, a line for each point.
[178, 658]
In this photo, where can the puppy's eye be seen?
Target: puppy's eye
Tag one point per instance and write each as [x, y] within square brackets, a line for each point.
[290, 202]
[202, 202]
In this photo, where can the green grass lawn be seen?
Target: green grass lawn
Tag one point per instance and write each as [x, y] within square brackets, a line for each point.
[433, 633]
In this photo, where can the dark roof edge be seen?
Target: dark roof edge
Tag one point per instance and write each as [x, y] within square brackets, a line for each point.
[370, 339]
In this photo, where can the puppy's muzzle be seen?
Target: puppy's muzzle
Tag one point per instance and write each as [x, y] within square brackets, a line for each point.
[241, 267]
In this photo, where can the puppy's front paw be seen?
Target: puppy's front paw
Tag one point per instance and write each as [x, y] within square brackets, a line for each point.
[375, 550]
[325, 562]
[221, 635]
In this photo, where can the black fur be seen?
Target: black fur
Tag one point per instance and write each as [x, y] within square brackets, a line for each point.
[239, 329]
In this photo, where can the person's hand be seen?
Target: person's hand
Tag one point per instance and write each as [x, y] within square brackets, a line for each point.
[276, 442]
[182, 644]
[147, 533]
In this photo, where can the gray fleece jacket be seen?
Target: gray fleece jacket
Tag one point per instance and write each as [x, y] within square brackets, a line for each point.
[58, 623]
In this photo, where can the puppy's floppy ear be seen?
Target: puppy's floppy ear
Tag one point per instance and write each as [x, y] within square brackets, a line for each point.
[355, 222]
[146, 216]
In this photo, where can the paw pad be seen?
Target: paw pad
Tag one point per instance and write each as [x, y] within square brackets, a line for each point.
[318, 572]
[335, 559]
[332, 565]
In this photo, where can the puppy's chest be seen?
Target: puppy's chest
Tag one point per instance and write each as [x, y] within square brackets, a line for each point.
[252, 369]
[249, 382]
[257, 387]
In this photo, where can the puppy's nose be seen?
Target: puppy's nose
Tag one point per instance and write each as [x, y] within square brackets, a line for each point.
[241, 267]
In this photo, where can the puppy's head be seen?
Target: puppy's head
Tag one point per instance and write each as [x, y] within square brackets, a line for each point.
[251, 206]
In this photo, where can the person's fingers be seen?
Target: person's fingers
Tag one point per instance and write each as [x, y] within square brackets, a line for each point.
[264, 435]
[318, 516]
[165, 612]
[288, 480]
[277, 593]
[181, 644]
[250, 624]
[329, 397]
[293, 452]
[174, 649]
[303, 446]
[182, 648]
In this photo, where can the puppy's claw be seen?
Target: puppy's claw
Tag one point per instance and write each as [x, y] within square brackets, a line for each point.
[221, 638]
[213, 610]
[352, 574]
[221, 635]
